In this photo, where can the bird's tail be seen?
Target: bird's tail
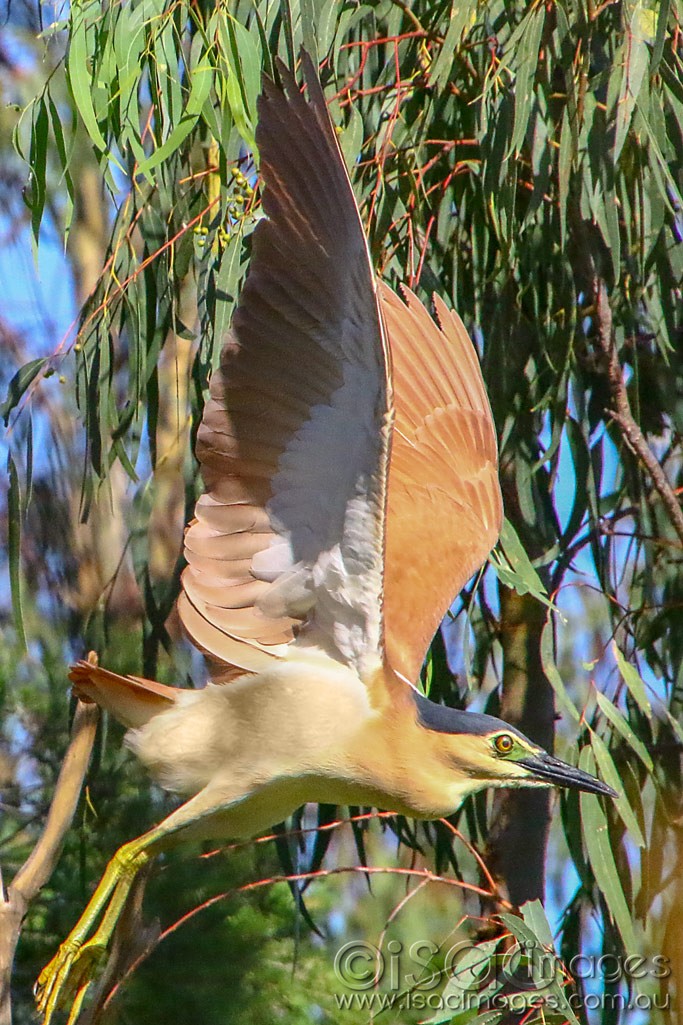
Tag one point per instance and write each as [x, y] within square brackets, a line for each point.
[130, 699]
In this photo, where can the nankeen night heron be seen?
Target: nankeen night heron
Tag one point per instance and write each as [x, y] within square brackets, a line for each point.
[349, 457]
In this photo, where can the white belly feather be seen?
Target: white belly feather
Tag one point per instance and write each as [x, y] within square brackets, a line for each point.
[256, 730]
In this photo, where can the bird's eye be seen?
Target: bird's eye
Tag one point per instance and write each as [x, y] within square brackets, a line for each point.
[504, 744]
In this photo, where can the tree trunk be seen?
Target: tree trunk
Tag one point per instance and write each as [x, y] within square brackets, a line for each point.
[521, 818]
[12, 910]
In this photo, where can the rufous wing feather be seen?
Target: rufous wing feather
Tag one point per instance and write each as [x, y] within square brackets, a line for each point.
[305, 530]
[444, 502]
[132, 700]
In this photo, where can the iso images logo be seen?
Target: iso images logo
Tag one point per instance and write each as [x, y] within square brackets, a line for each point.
[472, 976]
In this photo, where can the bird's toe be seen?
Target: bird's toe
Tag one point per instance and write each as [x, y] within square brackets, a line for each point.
[63, 982]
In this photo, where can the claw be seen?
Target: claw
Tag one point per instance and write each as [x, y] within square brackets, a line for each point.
[67, 978]
[51, 980]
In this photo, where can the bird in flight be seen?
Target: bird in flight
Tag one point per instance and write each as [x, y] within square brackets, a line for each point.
[351, 489]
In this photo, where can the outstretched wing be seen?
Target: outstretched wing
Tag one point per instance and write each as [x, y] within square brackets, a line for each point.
[444, 503]
[288, 538]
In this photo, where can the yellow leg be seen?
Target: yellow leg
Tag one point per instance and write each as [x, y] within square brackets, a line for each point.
[69, 974]
[75, 964]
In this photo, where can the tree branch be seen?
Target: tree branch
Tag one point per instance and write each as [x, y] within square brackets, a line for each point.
[38, 867]
[621, 412]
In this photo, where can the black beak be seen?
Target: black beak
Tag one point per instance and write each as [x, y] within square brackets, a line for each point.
[551, 770]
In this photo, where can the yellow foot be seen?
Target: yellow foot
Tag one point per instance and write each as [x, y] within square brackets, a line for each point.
[66, 979]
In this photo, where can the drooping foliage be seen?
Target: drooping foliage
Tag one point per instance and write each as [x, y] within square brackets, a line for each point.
[523, 160]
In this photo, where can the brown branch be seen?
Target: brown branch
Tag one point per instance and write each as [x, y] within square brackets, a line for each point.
[410, 15]
[39, 865]
[621, 412]
[424, 875]
[38, 868]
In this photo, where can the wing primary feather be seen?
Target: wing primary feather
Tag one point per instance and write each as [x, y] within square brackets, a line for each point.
[444, 502]
[313, 513]
[297, 426]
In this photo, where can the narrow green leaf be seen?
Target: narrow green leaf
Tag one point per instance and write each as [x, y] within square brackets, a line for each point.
[461, 15]
[596, 839]
[633, 681]
[308, 29]
[609, 225]
[551, 671]
[240, 89]
[534, 916]
[633, 59]
[535, 938]
[217, 121]
[327, 26]
[520, 929]
[153, 415]
[106, 403]
[14, 548]
[660, 34]
[675, 725]
[514, 569]
[571, 827]
[92, 419]
[168, 77]
[470, 972]
[18, 386]
[129, 43]
[28, 492]
[610, 774]
[581, 460]
[622, 727]
[65, 153]
[288, 25]
[233, 96]
[526, 63]
[201, 80]
[659, 167]
[225, 294]
[80, 79]
[352, 139]
[247, 50]
[38, 161]
[564, 165]
[267, 56]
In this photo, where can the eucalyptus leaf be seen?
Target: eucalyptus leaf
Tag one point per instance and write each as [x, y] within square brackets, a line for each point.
[633, 681]
[610, 774]
[622, 727]
[597, 841]
[19, 385]
[513, 566]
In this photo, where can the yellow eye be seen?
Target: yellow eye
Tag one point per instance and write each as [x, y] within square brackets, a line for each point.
[504, 744]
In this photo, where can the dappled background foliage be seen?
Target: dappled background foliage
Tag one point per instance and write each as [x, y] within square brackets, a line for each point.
[523, 160]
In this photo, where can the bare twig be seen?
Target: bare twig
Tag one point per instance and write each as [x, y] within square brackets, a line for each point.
[422, 874]
[621, 412]
[410, 15]
[38, 867]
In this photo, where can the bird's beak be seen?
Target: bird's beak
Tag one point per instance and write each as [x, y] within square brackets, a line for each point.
[548, 769]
